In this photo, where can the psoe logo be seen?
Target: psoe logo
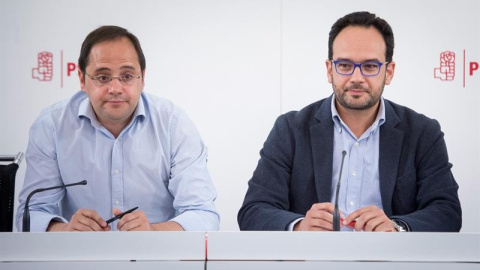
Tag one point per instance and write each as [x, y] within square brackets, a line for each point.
[43, 71]
[446, 69]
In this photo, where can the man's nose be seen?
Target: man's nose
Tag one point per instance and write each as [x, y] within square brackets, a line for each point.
[115, 86]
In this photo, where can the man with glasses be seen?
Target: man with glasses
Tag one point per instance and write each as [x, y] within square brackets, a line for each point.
[134, 150]
[354, 159]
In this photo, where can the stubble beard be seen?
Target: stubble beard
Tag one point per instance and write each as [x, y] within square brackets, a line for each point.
[355, 102]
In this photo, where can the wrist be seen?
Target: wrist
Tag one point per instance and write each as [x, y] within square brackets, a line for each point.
[296, 225]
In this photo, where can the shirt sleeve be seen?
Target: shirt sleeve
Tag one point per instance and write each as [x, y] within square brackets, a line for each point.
[190, 183]
[42, 171]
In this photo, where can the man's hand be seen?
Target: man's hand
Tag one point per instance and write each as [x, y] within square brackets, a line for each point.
[83, 220]
[318, 218]
[370, 219]
[137, 221]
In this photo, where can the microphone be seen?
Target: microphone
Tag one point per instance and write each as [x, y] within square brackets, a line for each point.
[336, 212]
[26, 210]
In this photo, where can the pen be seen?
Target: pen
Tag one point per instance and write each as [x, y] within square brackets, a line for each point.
[119, 216]
[351, 224]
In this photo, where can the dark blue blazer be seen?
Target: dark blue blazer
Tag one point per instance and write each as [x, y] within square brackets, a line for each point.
[295, 171]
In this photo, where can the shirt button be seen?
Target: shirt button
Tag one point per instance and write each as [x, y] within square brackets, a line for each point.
[352, 203]
[117, 171]
[354, 174]
[356, 144]
[117, 202]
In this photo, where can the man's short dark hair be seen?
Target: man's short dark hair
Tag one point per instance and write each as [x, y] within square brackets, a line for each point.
[108, 33]
[365, 19]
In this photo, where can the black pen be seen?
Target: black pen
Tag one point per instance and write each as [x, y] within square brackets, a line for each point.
[119, 216]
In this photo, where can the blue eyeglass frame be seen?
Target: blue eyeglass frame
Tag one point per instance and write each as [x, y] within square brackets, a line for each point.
[359, 65]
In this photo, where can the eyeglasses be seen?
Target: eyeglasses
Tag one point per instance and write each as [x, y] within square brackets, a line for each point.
[368, 69]
[125, 79]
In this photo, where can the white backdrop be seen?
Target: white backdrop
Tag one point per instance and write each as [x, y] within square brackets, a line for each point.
[234, 66]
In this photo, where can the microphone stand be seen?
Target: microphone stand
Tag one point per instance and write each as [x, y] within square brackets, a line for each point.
[336, 212]
[26, 211]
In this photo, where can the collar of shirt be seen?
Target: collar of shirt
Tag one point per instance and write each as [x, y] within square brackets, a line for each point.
[86, 110]
[340, 125]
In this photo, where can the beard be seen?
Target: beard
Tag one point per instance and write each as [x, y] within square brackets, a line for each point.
[366, 101]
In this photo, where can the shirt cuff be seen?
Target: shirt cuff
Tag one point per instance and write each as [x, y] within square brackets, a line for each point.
[39, 221]
[293, 223]
[198, 220]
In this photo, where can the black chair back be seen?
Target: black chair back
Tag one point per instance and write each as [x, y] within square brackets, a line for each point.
[7, 191]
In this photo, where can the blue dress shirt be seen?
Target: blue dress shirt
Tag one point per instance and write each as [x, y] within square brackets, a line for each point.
[360, 186]
[158, 163]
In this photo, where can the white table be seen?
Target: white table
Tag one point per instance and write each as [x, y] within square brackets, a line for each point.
[110, 250]
[239, 250]
[344, 250]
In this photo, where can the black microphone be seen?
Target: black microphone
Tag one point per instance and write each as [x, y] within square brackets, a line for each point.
[336, 212]
[26, 210]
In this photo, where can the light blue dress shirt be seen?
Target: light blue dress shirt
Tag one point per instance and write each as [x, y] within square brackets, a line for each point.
[360, 183]
[158, 163]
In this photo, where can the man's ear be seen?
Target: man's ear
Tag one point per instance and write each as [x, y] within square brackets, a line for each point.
[389, 72]
[329, 66]
[81, 77]
[143, 79]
